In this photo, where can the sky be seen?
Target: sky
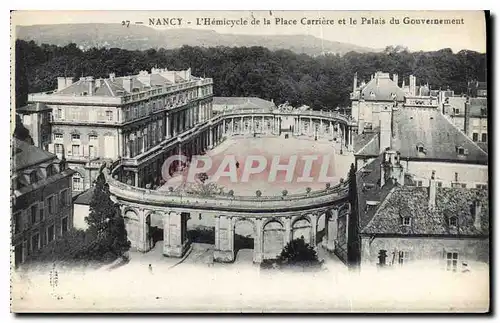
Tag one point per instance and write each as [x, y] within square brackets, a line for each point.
[470, 34]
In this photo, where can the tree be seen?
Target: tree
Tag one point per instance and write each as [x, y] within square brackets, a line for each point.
[353, 244]
[105, 223]
[298, 253]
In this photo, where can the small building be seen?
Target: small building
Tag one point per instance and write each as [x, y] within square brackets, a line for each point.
[41, 199]
[81, 205]
[37, 119]
[401, 225]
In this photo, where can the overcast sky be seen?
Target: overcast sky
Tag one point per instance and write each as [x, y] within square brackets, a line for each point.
[469, 35]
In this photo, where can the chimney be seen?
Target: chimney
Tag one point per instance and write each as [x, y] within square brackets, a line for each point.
[477, 214]
[127, 84]
[355, 83]
[91, 82]
[395, 78]
[112, 76]
[61, 83]
[385, 117]
[432, 190]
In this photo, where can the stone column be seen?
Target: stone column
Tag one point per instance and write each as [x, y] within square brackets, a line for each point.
[314, 227]
[173, 246]
[224, 125]
[288, 230]
[211, 137]
[217, 229]
[136, 178]
[351, 146]
[127, 145]
[232, 126]
[258, 242]
[224, 250]
[241, 126]
[331, 130]
[332, 229]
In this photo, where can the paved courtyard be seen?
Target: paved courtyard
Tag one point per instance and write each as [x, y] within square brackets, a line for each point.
[327, 163]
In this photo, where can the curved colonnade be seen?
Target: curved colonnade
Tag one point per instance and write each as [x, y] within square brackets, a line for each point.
[318, 216]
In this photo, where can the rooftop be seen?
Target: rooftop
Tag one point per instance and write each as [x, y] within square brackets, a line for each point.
[478, 107]
[26, 155]
[382, 88]
[414, 127]
[242, 103]
[84, 197]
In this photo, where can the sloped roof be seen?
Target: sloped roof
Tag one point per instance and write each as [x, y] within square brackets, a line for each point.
[412, 202]
[382, 88]
[26, 155]
[364, 140]
[412, 127]
[242, 103]
[85, 197]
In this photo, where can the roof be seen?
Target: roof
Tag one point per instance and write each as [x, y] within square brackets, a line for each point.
[364, 139]
[242, 103]
[26, 155]
[382, 88]
[476, 107]
[32, 107]
[412, 127]
[412, 202]
[368, 189]
[85, 197]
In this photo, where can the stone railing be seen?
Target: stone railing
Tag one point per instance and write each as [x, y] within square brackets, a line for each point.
[125, 192]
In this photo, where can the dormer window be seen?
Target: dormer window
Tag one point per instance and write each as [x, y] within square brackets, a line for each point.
[372, 94]
[461, 150]
[406, 221]
[453, 221]
[421, 149]
[33, 177]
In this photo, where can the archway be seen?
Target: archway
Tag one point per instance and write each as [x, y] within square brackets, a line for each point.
[244, 239]
[201, 228]
[302, 228]
[274, 239]
[321, 228]
[154, 222]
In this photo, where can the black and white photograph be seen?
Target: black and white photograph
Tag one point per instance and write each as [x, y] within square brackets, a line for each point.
[249, 162]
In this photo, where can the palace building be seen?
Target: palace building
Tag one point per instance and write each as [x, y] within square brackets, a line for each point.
[128, 117]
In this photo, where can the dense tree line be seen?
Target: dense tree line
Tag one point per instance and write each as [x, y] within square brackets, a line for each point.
[322, 82]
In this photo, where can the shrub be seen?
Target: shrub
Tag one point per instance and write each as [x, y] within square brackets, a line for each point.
[284, 192]
[170, 189]
[258, 193]
[308, 190]
[231, 193]
[328, 185]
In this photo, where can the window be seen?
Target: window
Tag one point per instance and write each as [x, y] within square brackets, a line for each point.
[406, 220]
[419, 183]
[17, 222]
[50, 202]
[35, 242]
[421, 149]
[92, 137]
[402, 257]
[64, 225]
[75, 136]
[41, 212]
[463, 185]
[58, 148]
[456, 111]
[58, 136]
[484, 137]
[482, 186]
[91, 151]
[451, 261]
[63, 196]
[475, 136]
[75, 150]
[33, 177]
[51, 233]
[453, 221]
[34, 211]
[439, 184]
[456, 177]
[109, 115]
[77, 184]
[460, 151]
[50, 170]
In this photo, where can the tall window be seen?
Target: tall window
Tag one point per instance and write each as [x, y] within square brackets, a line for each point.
[63, 197]
[109, 115]
[17, 222]
[50, 233]
[75, 150]
[34, 211]
[58, 148]
[91, 151]
[50, 201]
[35, 242]
[475, 136]
[484, 137]
[451, 261]
[33, 177]
[406, 220]
[77, 184]
[64, 225]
